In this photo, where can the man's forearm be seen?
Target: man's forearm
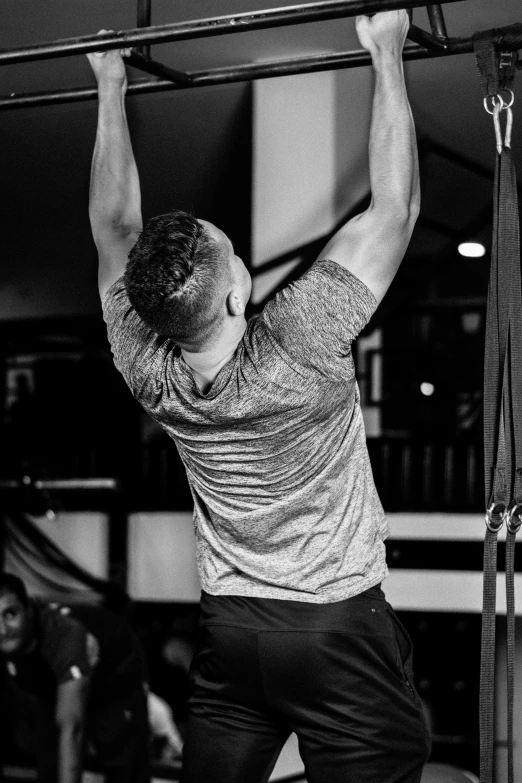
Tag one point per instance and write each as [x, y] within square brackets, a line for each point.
[372, 244]
[70, 750]
[394, 171]
[115, 201]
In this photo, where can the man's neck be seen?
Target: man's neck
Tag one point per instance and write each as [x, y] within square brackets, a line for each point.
[206, 364]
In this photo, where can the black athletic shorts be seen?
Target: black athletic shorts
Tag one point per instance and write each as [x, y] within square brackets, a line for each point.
[338, 675]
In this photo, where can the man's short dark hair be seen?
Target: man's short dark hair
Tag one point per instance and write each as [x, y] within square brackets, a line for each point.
[9, 583]
[177, 276]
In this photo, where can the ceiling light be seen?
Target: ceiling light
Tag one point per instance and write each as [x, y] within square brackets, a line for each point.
[472, 249]
[427, 389]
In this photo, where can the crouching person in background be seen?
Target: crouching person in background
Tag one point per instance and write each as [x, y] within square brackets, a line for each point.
[73, 679]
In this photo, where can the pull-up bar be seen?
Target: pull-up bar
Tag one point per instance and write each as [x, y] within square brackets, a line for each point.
[239, 73]
[426, 46]
[206, 28]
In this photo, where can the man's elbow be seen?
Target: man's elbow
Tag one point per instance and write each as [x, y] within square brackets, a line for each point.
[406, 210]
[398, 216]
[398, 207]
[405, 214]
[117, 228]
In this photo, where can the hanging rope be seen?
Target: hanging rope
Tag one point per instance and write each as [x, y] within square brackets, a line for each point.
[502, 387]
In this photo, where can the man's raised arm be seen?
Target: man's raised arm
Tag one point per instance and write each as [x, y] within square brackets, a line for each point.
[115, 201]
[372, 245]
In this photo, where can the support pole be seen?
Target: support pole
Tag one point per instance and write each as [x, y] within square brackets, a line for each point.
[206, 28]
[428, 41]
[147, 65]
[438, 25]
[140, 56]
[143, 20]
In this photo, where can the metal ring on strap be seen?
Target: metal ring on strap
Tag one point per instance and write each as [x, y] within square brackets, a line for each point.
[514, 518]
[493, 101]
[495, 516]
[498, 101]
[511, 101]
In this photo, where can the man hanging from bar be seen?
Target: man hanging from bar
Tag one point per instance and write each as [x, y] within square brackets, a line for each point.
[296, 634]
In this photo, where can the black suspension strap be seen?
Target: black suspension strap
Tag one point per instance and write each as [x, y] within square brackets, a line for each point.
[502, 388]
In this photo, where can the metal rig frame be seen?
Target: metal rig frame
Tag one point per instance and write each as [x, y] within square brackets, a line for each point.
[424, 45]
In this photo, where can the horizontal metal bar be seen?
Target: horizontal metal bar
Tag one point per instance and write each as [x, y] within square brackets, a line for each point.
[143, 63]
[265, 70]
[201, 28]
[82, 484]
[228, 75]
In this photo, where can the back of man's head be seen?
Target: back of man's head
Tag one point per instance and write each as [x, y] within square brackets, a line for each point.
[178, 277]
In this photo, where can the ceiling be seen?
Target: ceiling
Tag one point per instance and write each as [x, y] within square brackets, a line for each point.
[445, 95]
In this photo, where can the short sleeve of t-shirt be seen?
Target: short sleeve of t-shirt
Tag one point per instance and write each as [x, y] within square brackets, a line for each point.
[315, 319]
[139, 353]
[65, 645]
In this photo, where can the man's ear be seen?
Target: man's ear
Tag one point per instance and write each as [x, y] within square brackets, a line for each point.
[235, 304]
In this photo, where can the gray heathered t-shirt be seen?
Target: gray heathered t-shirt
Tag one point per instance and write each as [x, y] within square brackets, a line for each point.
[284, 500]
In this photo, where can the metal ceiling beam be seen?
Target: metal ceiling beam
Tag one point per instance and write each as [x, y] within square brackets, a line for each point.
[205, 28]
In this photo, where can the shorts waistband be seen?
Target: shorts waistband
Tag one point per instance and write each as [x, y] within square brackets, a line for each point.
[276, 614]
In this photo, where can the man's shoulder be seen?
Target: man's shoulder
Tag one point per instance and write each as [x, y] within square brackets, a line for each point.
[260, 341]
[315, 318]
[59, 632]
[324, 281]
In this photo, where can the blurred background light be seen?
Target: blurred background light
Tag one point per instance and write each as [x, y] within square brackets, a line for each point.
[472, 249]
[427, 389]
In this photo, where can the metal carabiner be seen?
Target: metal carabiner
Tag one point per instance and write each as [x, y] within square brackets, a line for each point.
[495, 510]
[501, 99]
[512, 524]
[493, 99]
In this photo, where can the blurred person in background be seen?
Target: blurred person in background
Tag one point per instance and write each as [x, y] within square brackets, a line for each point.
[73, 679]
